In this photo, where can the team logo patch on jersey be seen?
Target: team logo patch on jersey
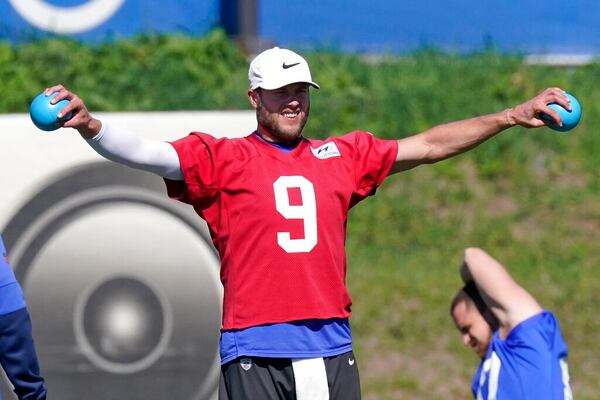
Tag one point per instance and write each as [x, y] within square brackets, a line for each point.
[246, 363]
[325, 151]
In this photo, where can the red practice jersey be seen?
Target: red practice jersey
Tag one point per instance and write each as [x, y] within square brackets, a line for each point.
[278, 220]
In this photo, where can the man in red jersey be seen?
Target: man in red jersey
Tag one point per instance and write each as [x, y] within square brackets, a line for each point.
[276, 204]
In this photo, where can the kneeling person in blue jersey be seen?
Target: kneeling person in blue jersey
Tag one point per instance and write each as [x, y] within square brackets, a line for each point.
[17, 351]
[521, 346]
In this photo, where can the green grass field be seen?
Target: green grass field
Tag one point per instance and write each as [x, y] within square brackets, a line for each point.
[405, 247]
[530, 198]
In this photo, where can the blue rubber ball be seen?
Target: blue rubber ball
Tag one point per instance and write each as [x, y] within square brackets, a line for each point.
[570, 119]
[45, 115]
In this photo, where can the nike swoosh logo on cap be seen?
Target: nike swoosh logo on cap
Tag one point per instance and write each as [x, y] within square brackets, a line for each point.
[286, 66]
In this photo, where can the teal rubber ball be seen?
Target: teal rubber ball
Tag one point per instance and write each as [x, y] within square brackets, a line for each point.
[570, 119]
[44, 114]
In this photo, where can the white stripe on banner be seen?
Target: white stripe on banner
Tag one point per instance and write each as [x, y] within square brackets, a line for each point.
[311, 379]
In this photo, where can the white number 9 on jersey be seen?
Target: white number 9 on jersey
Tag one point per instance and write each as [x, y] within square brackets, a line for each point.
[306, 212]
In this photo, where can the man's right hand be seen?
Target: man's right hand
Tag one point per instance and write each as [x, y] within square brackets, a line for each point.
[81, 119]
[529, 114]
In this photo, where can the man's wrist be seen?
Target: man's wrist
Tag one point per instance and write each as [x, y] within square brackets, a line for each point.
[92, 129]
[508, 117]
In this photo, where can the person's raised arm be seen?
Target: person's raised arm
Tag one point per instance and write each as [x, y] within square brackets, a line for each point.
[116, 144]
[446, 140]
[508, 301]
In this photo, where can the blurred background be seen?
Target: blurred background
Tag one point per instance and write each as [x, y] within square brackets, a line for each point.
[122, 283]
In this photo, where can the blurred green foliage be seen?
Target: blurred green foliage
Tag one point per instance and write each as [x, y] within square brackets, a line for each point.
[145, 73]
[390, 96]
[531, 198]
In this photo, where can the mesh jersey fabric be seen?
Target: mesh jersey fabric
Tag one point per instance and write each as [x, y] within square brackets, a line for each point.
[278, 220]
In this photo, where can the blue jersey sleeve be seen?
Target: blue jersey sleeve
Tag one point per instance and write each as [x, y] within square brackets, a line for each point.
[539, 354]
[11, 295]
[530, 363]
[11, 298]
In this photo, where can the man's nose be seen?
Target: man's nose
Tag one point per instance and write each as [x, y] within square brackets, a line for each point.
[294, 100]
[466, 339]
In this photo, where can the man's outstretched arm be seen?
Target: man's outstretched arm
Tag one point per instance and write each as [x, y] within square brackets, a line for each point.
[447, 140]
[508, 301]
[117, 144]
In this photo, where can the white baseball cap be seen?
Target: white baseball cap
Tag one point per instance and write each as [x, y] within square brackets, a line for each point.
[275, 68]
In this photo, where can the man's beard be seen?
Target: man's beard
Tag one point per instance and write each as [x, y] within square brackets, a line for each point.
[284, 135]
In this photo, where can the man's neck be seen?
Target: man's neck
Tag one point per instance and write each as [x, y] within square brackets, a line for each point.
[267, 137]
[284, 147]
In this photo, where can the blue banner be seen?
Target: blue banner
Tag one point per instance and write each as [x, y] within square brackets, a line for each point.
[393, 26]
[374, 26]
[96, 20]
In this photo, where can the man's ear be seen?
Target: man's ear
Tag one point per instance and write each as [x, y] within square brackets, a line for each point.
[253, 98]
